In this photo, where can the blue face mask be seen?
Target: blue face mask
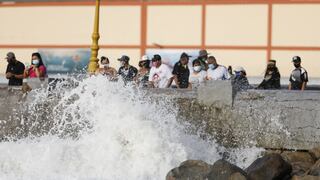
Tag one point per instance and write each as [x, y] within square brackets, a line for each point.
[211, 66]
[238, 74]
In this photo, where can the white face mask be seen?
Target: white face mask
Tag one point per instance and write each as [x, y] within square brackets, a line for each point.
[104, 65]
[211, 66]
[35, 61]
[197, 68]
[121, 63]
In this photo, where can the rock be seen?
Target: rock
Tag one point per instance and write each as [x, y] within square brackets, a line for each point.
[292, 157]
[237, 176]
[315, 169]
[223, 170]
[315, 153]
[300, 168]
[308, 177]
[190, 169]
[269, 167]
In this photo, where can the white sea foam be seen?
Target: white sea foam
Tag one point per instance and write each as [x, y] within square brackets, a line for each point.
[109, 132]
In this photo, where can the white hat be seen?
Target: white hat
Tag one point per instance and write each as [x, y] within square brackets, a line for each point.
[239, 69]
[144, 58]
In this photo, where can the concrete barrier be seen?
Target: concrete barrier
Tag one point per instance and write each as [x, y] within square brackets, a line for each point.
[278, 119]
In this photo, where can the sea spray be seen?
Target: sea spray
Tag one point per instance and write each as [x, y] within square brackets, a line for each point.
[105, 130]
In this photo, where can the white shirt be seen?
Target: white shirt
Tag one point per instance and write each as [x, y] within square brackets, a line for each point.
[160, 76]
[196, 79]
[219, 73]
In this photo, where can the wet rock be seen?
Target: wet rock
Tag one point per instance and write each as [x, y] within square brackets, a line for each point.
[292, 157]
[315, 153]
[315, 169]
[190, 169]
[308, 177]
[269, 167]
[223, 170]
[300, 168]
[237, 176]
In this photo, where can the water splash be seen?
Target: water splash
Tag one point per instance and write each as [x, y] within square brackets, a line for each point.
[103, 130]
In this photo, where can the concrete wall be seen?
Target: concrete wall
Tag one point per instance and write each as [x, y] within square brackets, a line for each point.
[278, 119]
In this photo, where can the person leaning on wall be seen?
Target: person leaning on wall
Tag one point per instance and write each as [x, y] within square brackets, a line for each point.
[37, 68]
[271, 77]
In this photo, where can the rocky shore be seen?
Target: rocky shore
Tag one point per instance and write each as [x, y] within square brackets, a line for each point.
[273, 165]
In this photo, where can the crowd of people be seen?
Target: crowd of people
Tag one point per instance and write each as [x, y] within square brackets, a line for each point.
[153, 73]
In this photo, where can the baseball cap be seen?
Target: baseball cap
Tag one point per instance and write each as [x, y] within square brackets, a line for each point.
[239, 69]
[144, 58]
[156, 57]
[203, 52]
[296, 59]
[184, 55]
[10, 55]
[124, 58]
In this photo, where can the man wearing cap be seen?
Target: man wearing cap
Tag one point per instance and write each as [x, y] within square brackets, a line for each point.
[299, 76]
[216, 71]
[160, 74]
[203, 57]
[271, 77]
[181, 71]
[126, 71]
[15, 70]
[239, 80]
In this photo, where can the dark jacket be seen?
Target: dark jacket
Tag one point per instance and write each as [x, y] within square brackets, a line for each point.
[271, 80]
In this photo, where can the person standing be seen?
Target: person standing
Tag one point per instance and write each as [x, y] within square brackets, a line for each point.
[299, 76]
[271, 77]
[239, 80]
[216, 71]
[160, 74]
[144, 72]
[198, 75]
[126, 71]
[203, 57]
[37, 68]
[15, 70]
[105, 69]
[181, 72]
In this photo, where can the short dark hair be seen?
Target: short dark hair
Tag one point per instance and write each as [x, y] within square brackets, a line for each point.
[195, 61]
[104, 58]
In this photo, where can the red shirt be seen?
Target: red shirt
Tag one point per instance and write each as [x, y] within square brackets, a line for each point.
[42, 70]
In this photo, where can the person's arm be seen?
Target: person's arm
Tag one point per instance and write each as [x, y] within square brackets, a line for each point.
[303, 87]
[175, 78]
[18, 76]
[289, 87]
[8, 75]
[169, 82]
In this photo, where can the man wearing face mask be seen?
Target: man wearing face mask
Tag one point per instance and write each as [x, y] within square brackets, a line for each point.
[299, 76]
[105, 69]
[216, 71]
[126, 71]
[15, 70]
[271, 77]
[181, 72]
[203, 57]
[239, 80]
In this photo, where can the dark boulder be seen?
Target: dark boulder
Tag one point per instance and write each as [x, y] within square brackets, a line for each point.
[269, 167]
[223, 170]
[190, 169]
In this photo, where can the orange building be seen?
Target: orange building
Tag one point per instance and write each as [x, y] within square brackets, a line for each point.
[236, 32]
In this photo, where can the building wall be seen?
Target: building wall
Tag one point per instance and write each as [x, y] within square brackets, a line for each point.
[245, 34]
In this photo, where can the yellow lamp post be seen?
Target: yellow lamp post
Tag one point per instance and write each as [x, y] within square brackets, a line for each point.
[93, 63]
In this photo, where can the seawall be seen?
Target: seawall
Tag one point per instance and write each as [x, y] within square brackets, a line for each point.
[277, 119]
